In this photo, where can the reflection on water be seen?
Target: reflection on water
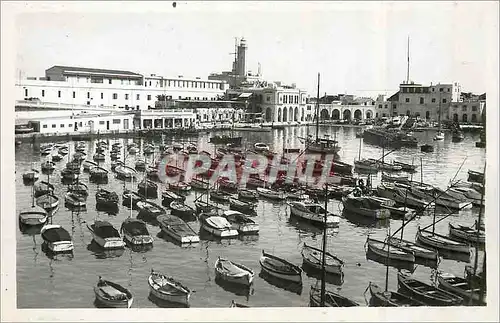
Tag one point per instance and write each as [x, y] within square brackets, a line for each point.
[410, 266]
[163, 303]
[292, 287]
[101, 253]
[364, 221]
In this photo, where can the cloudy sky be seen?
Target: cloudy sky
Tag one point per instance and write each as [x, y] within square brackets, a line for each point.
[358, 48]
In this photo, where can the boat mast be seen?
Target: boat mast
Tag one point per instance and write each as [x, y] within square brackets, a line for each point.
[478, 226]
[323, 272]
[406, 198]
[387, 261]
[317, 112]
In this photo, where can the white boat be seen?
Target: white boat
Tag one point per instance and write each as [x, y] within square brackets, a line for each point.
[106, 235]
[466, 193]
[74, 199]
[260, 147]
[133, 150]
[280, 268]
[88, 164]
[466, 233]
[48, 201]
[380, 248]
[217, 225]
[57, 238]
[176, 228]
[439, 136]
[313, 212]
[271, 194]
[313, 257]
[402, 196]
[31, 175]
[233, 273]
[168, 289]
[33, 216]
[441, 242]
[366, 165]
[136, 232]
[418, 251]
[241, 222]
[48, 166]
[112, 294]
[395, 178]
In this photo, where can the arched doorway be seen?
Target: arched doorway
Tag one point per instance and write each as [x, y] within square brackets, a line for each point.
[290, 114]
[296, 114]
[279, 114]
[427, 114]
[455, 117]
[464, 118]
[358, 114]
[335, 114]
[268, 115]
[473, 118]
[302, 115]
[369, 114]
[285, 114]
[347, 114]
[408, 113]
[324, 115]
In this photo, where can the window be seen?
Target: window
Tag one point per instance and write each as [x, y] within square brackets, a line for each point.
[26, 92]
[43, 93]
[432, 89]
[440, 89]
[464, 107]
[53, 125]
[380, 106]
[115, 96]
[81, 124]
[444, 100]
[70, 125]
[137, 96]
[168, 83]
[407, 100]
[101, 122]
[285, 99]
[126, 96]
[102, 95]
[448, 89]
[196, 84]
[421, 100]
[109, 81]
[88, 95]
[44, 126]
[58, 94]
[149, 83]
[268, 98]
[474, 108]
[74, 94]
[433, 100]
[394, 106]
[385, 106]
[116, 121]
[149, 97]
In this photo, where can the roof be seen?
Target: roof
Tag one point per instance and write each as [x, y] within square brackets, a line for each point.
[75, 69]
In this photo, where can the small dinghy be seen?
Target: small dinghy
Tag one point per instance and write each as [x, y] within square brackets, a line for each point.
[79, 157]
[177, 229]
[280, 268]
[466, 233]
[98, 174]
[69, 174]
[313, 212]
[233, 273]
[136, 232]
[149, 209]
[43, 188]
[133, 150]
[476, 177]
[313, 257]
[366, 207]
[241, 222]
[64, 150]
[88, 164]
[181, 210]
[332, 299]
[247, 195]
[140, 165]
[48, 202]
[242, 206]
[33, 216]
[380, 249]
[217, 225]
[391, 299]
[78, 188]
[426, 293]
[261, 147]
[220, 196]
[204, 207]
[168, 289]
[271, 194]
[99, 157]
[75, 200]
[148, 188]
[418, 251]
[106, 198]
[366, 165]
[426, 148]
[112, 294]
[125, 172]
[130, 198]
[48, 166]
[459, 286]
[57, 238]
[179, 187]
[152, 173]
[31, 176]
[105, 235]
[395, 178]
[168, 197]
[441, 242]
[46, 150]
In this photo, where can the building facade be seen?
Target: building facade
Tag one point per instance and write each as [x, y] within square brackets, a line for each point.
[84, 124]
[165, 119]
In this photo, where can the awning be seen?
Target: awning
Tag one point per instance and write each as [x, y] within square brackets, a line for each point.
[245, 95]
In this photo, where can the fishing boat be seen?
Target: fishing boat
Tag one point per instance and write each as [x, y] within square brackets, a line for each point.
[260, 147]
[130, 198]
[99, 157]
[405, 166]
[112, 294]
[379, 248]
[382, 298]
[402, 196]
[168, 289]
[180, 209]
[125, 172]
[395, 178]
[332, 299]
[132, 150]
[46, 150]
[241, 222]
[106, 198]
[35, 215]
[88, 164]
[220, 196]
[217, 225]
[280, 268]
[386, 166]
[48, 166]
[313, 212]
[179, 187]
[105, 235]
[149, 209]
[148, 188]
[226, 140]
[426, 293]
[474, 176]
[56, 238]
[136, 232]
[43, 188]
[247, 195]
[365, 206]
[199, 183]
[439, 136]
[177, 229]
[441, 242]
[457, 135]
[466, 233]
[31, 175]
[233, 273]
[242, 206]
[169, 196]
[140, 165]
[98, 174]
[79, 188]
[271, 194]
[48, 202]
[63, 150]
[75, 200]
[426, 148]
[459, 286]
[313, 257]
[409, 246]
[366, 165]
[468, 193]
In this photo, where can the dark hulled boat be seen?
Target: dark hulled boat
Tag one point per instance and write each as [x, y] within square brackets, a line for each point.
[106, 199]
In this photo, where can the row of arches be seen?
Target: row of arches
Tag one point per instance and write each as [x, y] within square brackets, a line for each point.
[346, 115]
[465, 118]
[285, 114]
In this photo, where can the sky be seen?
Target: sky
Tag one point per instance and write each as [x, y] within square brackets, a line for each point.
[359, 48]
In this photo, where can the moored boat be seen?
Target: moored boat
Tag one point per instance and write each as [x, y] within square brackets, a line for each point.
[332, 299]
[441, 242]
[105, 235]
[136, 232]
[247, 195]
[242, 206]
[168, 288]
[459, 286]
[98, 174]
[382, 298]
[169, 196]
[382, 249]
[241, 222]
[74, 199]
[148, 188]
[88, 164]
[130, 198]
[426, 293]
[271, 194]
[418, 251]
[31, 175]
[180, 209]
[233, 273]
[313, 212]
[466, 233]
[365, 207]
[280, 268]
[313, 257]
[219, 196]
[217, 225]
[33, 216]
[474, 176]
[125, 172]
[112, 294]
[105, 198]
[56, 238]
[48, 201]
[48, 166]
[149, 209]
[177, 229]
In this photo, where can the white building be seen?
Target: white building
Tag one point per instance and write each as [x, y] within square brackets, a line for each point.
[126, 90]
[165, 119]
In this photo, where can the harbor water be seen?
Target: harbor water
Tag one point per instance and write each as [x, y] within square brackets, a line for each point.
[67, 281]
